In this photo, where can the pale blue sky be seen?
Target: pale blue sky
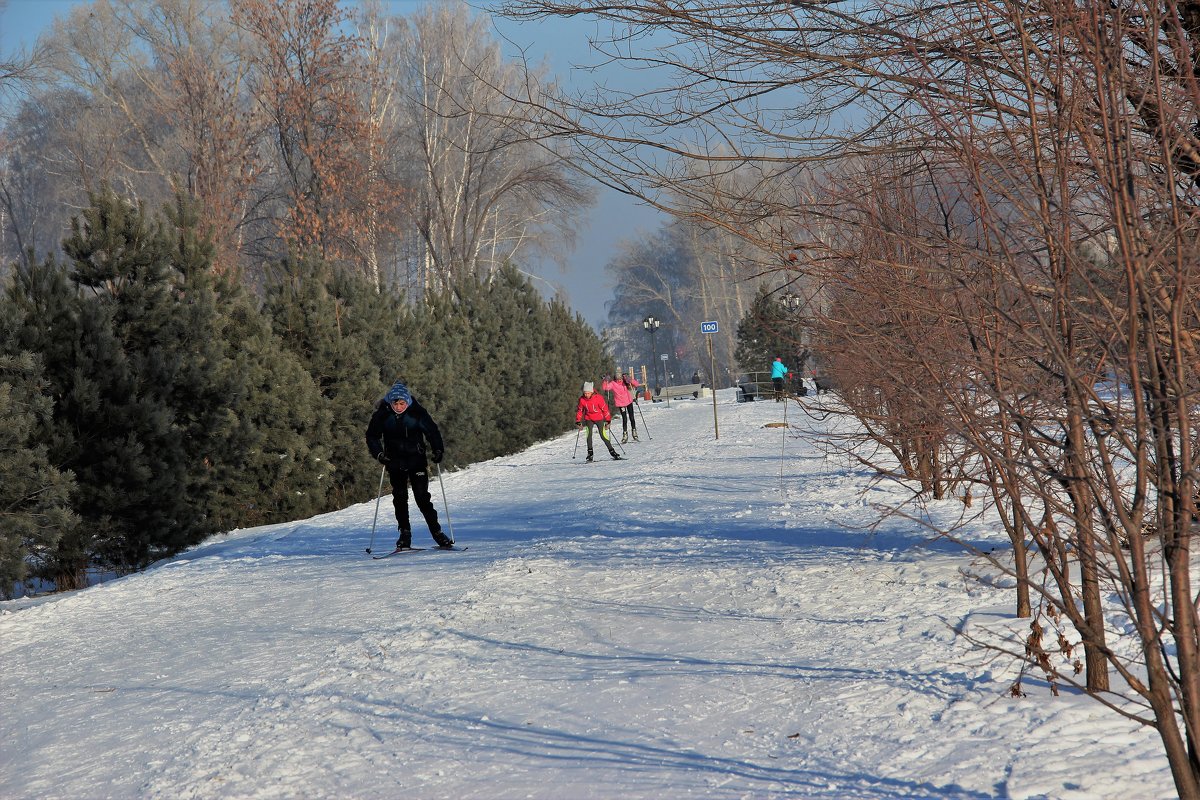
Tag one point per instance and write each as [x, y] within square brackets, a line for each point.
[614, 218]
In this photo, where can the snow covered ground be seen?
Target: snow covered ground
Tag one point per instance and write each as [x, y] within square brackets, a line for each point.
[710, 618]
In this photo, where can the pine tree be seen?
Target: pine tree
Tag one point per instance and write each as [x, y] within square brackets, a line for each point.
[443, 371]
[130, 337]
[492, 328]
[523, 321]
[284, 470]
[44, 314]
[766, 332]
[133, 457]
[566, 354]
[497, 366]
[260, 431]
[312, 310]
[101, 423]
[34, 496]
[199, 387]
[387, 324]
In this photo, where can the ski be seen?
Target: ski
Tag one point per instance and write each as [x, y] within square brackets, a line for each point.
[415, 550]
[397, 551]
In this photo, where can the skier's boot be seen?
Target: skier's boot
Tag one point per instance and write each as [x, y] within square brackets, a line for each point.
[589, 458]
[616, 456]
[624, 437]
[635, 436]
[442, 540]
[405, 540]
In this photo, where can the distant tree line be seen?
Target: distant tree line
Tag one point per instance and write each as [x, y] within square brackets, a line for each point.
[396, 147]
[151, 400]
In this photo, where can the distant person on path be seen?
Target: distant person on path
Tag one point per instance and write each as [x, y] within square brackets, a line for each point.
[396, 437]
[592, 410]
[623, 393]
[779, 371]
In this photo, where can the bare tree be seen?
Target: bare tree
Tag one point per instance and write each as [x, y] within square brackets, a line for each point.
[1072, 128]
[22, 69]
[684, 275]
[483, 189]
[304, 77]
[263, 121]
[213, 151]
[295, 124]
[384, 230]
[146, 98]
[18, 71]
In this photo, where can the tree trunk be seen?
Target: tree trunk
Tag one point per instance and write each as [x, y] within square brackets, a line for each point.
[1085, 547]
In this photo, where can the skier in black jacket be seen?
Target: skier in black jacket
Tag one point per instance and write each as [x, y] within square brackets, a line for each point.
[396, 437]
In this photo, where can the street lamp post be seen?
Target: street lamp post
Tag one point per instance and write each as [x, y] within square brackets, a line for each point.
[651, 325]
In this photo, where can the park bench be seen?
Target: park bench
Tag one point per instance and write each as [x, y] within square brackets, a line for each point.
[680, 392]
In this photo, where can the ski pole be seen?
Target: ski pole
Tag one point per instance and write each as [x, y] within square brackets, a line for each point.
[446, 505]
[578, 430]
[782, 448]
[612, 438]
[378, 496]
[645, 427]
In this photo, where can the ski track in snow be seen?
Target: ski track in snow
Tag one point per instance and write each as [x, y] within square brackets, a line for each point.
[680, 624]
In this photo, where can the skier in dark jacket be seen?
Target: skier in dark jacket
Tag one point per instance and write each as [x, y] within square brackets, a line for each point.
[396, 437]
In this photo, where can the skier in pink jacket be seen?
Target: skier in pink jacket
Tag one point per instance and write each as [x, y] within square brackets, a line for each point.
[623, 388]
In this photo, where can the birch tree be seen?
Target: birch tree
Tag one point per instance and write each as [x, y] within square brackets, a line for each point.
[483, 189]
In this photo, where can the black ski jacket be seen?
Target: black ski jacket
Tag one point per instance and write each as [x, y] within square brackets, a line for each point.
[401, 437]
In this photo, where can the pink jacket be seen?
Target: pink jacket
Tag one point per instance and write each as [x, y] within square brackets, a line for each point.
[621, 395]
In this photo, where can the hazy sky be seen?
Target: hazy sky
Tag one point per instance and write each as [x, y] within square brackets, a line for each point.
[614, 217]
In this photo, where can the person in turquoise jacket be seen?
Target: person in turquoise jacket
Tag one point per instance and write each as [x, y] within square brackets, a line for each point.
[779, 371]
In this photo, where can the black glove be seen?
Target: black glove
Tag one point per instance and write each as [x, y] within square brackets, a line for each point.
[382, 457]
[579, 425]
[436, 456]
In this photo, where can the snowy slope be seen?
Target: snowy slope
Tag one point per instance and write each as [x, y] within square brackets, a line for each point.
[710, 618]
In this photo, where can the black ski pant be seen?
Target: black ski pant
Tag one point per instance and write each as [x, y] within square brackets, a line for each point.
[627, 420]
[603, 436]
[778, 383]
[418, 478]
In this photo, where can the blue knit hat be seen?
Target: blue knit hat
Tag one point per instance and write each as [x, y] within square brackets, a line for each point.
[398, 392]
